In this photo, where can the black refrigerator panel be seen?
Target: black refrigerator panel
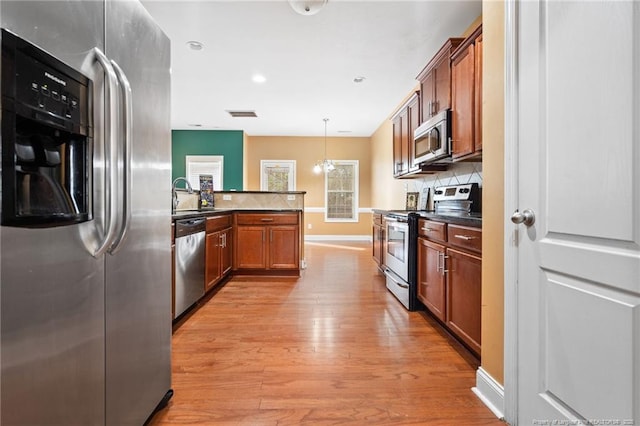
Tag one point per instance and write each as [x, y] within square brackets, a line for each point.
[46, 138]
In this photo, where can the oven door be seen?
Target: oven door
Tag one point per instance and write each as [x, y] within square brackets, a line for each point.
[396, 255]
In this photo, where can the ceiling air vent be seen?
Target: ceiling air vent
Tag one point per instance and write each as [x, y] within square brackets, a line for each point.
[241, 114]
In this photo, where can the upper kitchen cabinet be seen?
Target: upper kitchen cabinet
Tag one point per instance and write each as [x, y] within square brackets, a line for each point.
[435, 81]
[466, 99]
[405, 122]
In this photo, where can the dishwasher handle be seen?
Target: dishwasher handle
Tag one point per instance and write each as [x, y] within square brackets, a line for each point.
[186, 227]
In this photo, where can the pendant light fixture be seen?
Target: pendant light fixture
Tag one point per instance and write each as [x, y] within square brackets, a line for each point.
[324, 165]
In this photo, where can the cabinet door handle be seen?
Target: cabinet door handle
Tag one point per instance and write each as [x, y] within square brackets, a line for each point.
[464, 237]
[221, 238]
[270, 235]
[442, 263]
[266, 219]
[427, 229]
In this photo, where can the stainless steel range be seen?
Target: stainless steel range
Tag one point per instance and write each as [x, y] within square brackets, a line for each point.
[398, 257]
[457, 200]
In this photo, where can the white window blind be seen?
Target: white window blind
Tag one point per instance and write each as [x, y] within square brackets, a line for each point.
[278, 175]
[341, 192]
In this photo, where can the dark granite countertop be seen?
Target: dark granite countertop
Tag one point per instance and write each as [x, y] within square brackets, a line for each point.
[260, 192]
[191, 214]
[473, 219]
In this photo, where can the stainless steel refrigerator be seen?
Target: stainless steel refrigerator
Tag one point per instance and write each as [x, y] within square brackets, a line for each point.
[85, 278]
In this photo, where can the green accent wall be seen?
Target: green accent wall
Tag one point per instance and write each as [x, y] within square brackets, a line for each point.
[227, 143]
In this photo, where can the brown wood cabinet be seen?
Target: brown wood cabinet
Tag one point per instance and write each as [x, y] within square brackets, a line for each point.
[405, 122]
[267, 242]
[218, 250]
[466, 98]
[464, 287]
[431, 277]
[449, 277]
[435, 81]
[378, 239]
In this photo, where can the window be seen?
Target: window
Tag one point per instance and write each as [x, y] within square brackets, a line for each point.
[341, 192]
[205, 165]
[278, 175]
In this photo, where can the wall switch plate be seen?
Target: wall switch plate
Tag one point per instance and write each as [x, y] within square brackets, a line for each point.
[291, 197]
[226, 197]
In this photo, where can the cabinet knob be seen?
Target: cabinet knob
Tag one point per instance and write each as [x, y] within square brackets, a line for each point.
[526, 216]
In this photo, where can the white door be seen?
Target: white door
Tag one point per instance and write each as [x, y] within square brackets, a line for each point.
[577, 167]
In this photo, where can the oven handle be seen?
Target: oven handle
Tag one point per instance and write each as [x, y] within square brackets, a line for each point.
[389, 274]
[396, 220]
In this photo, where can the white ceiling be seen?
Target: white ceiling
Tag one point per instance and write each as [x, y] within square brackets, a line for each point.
[309, 62]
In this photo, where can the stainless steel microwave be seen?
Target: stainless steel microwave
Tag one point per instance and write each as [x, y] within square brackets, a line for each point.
[432, 140]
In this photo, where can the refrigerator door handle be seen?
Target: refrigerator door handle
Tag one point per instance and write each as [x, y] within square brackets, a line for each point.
[111, 175]
[125, 181]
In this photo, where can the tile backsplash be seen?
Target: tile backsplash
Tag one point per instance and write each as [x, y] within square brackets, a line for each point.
[258, 200]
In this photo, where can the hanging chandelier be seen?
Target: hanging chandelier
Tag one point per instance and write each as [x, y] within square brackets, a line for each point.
[325, 165]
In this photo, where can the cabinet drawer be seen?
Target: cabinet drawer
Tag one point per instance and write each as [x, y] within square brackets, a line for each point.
[465, 237]
[216, 223]
[266, 218]
[432, 230]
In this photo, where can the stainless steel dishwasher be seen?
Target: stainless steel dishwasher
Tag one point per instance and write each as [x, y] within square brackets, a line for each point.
[189, 263]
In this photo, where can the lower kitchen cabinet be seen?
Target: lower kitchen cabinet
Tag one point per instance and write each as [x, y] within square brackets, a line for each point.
[449, 279]
[267, 242]
[431, 277]
[251, 252]
[378, 239]
[218, 250]
[464, 296]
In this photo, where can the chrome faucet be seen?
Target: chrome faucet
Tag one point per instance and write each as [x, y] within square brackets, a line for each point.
[174, 194]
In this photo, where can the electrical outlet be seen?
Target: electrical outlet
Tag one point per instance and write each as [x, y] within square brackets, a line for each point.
[291, 197]
[309, 226]
[226, 197]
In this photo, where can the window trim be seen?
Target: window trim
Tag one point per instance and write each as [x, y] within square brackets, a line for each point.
[190, 159]
[356, 193]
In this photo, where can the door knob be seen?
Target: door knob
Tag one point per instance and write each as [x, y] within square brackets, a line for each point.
[526, 216]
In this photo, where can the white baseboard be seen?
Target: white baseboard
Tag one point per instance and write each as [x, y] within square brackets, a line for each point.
[337, 237]
[490, 392]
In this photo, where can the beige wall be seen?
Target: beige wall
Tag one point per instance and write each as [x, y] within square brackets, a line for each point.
[493, 190]
[388, 193]
[306, 151]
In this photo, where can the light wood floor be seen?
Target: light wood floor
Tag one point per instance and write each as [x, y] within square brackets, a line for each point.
[332, 347]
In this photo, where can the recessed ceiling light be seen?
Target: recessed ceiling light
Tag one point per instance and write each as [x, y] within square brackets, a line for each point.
[359, 79]
[195, 125]
[195, 45]
[258, 78]
[307, 7]
[344, 131]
